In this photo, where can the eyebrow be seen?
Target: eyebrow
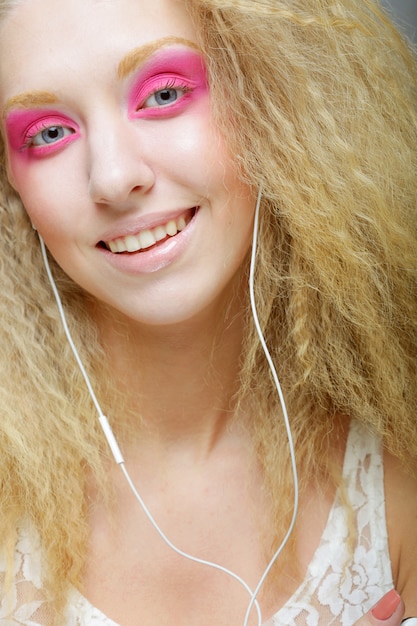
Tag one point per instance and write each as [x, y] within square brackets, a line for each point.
[29, 99]
[127, 65]
[138, 56]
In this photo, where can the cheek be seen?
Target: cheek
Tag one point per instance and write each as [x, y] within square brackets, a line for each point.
[202, 159]
[196, 150]
[26, 187]
[46, 199]
[50, 188]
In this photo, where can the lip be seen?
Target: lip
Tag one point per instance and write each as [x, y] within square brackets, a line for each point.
[147, 222]
[148, 238]
[156, 257]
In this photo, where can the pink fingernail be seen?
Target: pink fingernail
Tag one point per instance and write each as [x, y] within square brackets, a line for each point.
[386, 607]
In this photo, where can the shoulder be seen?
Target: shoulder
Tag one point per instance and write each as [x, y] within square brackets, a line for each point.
[401, 512]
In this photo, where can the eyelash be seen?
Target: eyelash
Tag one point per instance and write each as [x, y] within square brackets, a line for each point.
[42, 125]
[142, 103]
[172, 84]
[38, 129]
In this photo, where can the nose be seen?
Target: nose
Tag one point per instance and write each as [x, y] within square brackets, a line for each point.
[117, 165]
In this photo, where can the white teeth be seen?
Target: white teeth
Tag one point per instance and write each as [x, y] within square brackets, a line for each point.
[160, 233]
[121, 245]
[172, 228]
[131, 243]
[118, 245]
[147, 238]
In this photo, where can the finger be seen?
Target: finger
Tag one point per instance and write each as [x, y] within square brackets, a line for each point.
[389, 611]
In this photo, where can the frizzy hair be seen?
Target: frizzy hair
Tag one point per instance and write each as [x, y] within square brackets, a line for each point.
[317, 100]
[322, 99]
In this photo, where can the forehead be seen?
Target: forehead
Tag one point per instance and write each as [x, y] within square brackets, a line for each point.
[41, 37]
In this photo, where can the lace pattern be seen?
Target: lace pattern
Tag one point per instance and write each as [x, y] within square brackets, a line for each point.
[340, 586]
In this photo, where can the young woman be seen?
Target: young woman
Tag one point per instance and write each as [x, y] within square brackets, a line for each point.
[147, 141]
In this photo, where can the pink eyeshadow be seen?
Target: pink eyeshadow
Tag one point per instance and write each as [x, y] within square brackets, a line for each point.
[174, 68]
[21, 125]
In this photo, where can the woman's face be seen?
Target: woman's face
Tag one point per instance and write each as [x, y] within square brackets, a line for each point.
[111, 146]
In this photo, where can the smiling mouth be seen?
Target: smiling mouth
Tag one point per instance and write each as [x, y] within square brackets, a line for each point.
[145, 239]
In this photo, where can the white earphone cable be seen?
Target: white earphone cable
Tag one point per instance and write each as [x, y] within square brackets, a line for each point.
[119, 457]
[115, 447]
[282, 403]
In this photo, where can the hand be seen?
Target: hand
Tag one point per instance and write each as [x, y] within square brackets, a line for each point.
[389, 611]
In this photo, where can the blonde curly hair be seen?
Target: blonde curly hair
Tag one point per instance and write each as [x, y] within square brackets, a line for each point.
[318, 101]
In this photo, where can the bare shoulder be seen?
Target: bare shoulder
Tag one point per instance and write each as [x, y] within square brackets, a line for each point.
[401, 508]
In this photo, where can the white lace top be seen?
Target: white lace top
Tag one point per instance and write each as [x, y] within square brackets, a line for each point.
[337, 589]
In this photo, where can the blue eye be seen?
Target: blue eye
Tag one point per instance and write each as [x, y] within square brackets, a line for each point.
[164, 97]
[50, 135]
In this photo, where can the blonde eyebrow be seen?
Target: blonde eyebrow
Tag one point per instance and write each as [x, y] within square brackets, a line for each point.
[138, 56]
[29, 99]
[127, 65]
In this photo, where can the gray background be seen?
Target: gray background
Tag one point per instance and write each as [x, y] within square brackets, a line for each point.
[404, 13]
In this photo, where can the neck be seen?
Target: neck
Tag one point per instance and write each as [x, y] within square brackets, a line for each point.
[179, 380]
